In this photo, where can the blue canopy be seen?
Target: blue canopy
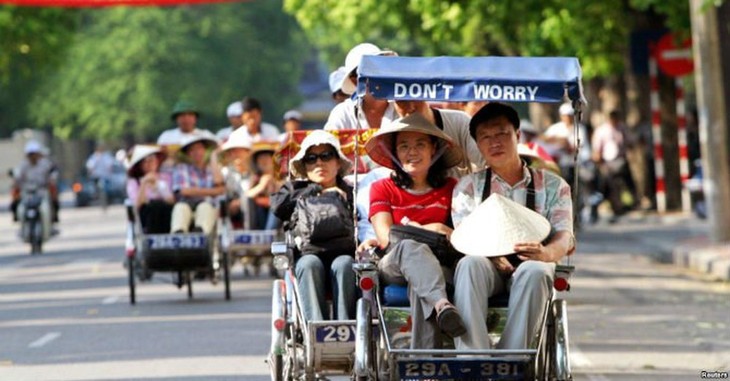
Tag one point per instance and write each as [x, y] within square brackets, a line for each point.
[509, 79]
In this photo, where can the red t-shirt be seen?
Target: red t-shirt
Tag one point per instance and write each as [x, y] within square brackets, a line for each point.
[434, 206]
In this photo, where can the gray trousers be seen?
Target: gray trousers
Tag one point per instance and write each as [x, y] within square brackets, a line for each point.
[530, 288]
[310, 272]
[413, 263]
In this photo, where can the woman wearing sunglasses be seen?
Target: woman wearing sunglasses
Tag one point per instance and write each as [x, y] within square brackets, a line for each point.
[417, 194]
[317, 209]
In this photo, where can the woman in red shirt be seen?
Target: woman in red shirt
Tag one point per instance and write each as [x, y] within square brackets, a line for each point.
[418, 193]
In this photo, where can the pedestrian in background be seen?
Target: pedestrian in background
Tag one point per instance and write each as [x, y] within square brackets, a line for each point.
[292, 122]
[234, 112]
[252, 120]
[335, 81]
[609, 153]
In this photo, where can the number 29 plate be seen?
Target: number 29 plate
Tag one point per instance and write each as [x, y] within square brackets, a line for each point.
[335, 334]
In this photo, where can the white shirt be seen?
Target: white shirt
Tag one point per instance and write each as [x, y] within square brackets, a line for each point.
[267, 133]
[561, 131]
[174, 136]
[224, 133]
[342, 117]
[99, 165]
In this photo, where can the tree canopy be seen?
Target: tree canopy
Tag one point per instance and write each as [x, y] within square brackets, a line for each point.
[124, 68]
[596, 32]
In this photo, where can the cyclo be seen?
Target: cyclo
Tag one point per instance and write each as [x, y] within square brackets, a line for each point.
[187, 256]
[382, 339]
[242, 239]
[304, 349]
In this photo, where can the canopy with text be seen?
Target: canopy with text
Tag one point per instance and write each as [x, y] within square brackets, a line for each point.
[444, 79]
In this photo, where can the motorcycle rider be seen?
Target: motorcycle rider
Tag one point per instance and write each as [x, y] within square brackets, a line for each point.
[35, 170]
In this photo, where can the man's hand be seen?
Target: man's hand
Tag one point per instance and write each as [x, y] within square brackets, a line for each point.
[502, 265]
[534, 251]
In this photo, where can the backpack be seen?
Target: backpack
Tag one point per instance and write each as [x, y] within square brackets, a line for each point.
[323, 222]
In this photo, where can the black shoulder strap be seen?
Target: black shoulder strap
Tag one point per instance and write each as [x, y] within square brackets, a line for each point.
[439, 121]
[530, 202]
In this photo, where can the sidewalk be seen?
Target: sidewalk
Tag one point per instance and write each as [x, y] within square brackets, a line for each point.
[678, 238]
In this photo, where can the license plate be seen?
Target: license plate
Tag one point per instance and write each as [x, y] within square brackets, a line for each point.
[182, 241]
[481, 369]
[335, 334]
[249, 238]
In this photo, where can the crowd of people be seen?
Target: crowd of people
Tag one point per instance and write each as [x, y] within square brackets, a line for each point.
[430, 167]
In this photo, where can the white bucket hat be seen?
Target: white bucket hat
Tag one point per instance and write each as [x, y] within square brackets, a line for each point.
[206, 137]
[336, 79]
[352, 61]
[496, 225]
[34, 147]
[139, 152]
[315, 138]
[566, 109]
[240, 138]
[293, 114]
[234, 109]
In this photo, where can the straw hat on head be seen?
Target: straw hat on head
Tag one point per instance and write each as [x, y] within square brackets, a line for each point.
[380, 145]
[239, 138]
[496, 225]
[139, 153]
[210, 140]
[315, 138]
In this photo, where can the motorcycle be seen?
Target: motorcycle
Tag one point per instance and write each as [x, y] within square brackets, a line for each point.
[34, 215]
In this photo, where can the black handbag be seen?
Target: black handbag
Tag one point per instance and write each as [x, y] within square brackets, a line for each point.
[437, 242]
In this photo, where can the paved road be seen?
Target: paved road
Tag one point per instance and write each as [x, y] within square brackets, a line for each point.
[64, 315]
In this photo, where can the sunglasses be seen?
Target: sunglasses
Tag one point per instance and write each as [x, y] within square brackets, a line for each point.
[311, 158]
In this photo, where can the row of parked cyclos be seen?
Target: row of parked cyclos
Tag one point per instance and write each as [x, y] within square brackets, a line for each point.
[376, 344]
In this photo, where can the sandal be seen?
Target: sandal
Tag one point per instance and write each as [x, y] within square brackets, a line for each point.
[450, 321]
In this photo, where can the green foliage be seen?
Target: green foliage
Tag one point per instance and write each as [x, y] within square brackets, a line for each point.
[596, 32]
[128, 66]
[32, 40]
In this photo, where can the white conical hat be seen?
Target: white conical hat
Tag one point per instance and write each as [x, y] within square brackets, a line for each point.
[495, 226]
[139, 152]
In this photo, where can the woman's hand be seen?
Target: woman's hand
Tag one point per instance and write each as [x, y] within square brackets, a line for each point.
[366, 244]
[149, 179]
[533, 251]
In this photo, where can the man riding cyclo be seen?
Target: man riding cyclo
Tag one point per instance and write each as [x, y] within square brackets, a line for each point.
[529, 279]
[196, 182]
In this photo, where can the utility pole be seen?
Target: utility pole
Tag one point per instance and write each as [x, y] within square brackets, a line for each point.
[707, 31]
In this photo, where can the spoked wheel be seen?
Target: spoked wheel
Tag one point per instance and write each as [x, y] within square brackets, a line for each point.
[226, 273]
[130, 271]
[560, 354]
[364, 356]
[189, 282]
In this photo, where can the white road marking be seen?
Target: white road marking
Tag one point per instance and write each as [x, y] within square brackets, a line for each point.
[110, 300]
[45, 339]
[579, 360]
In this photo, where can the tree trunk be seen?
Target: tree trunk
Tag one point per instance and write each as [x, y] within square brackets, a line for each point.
[710, 36]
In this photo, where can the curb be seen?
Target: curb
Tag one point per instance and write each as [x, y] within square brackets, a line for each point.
[700, 255]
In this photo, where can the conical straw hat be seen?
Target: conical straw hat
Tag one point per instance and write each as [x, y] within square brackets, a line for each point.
[495, 226]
